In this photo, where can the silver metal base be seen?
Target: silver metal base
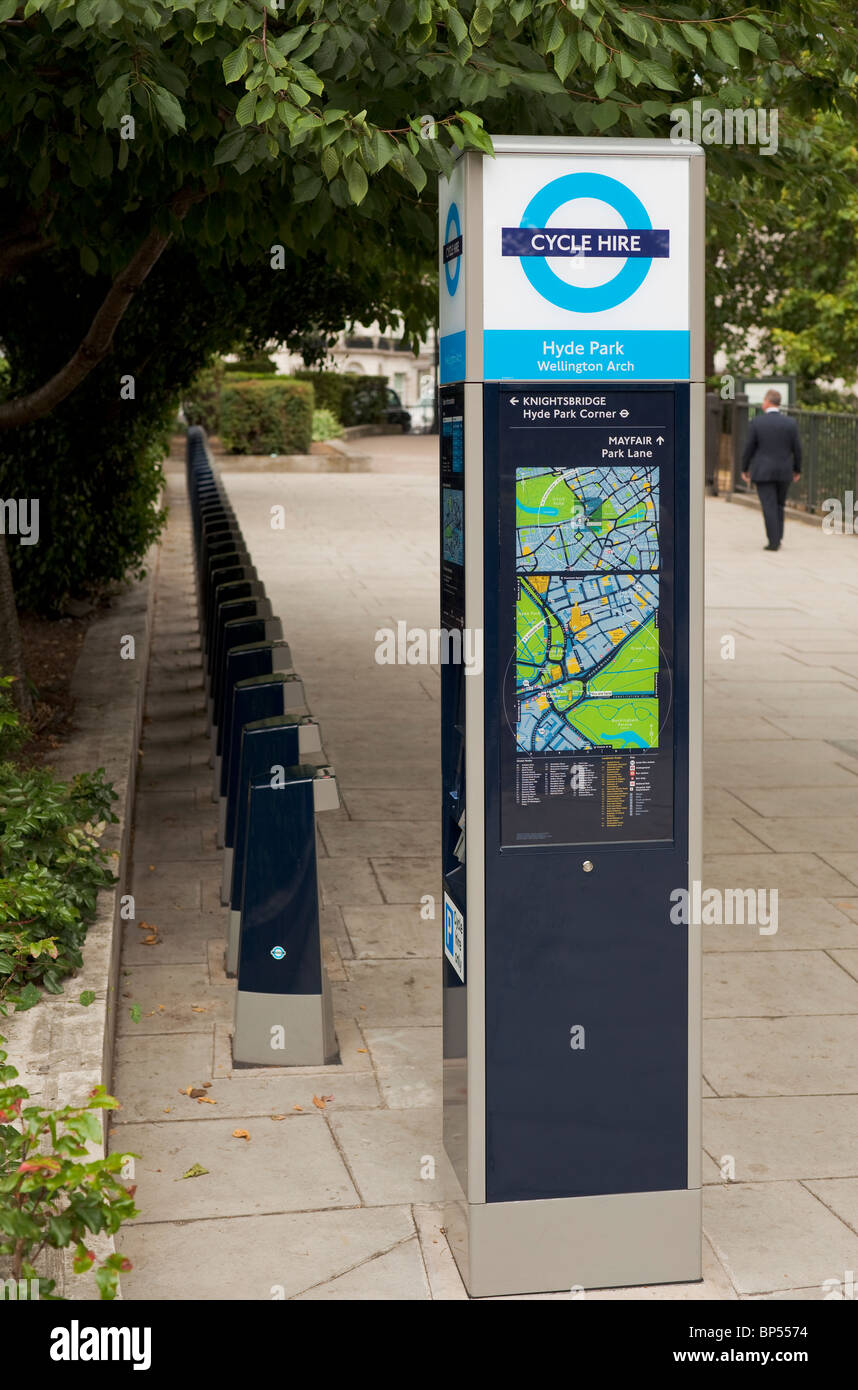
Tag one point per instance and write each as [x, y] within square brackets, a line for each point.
[233, 937]
[307, 1027]
[226, 878]
[570, 1243]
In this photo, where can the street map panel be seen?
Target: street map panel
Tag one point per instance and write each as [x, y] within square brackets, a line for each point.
[587, 650]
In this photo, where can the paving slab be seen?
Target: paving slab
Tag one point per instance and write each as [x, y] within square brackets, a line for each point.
[782, 1056]
[784, 1137]
[390, 993]
[803, 924]
[392, 931]
[290, 1253]
[286, 1165]
[400, 1275]
[407, 1063]
[396, 1155]
[738, 984]
[804, 1243]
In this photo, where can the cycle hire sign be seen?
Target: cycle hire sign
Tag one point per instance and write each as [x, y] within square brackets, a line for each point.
[586, 265]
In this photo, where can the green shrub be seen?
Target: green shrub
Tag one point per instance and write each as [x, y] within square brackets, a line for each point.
[52, 1192]
[325, 426]
[266, 417]
[252, 366]
[51, 869]
[353, 399]
[201, 402]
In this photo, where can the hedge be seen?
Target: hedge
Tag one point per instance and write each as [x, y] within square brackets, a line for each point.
[353, 399]
[266, 417]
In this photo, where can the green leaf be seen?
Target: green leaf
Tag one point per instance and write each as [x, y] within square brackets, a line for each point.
[87, 997]
[168, 109]
[235, 64]
[606, 81]
[246, 107]
[746, 35]
[40, 177]
[307, 186]
[695, 36]
[228, 147]
[724, 45]
[556, 36]
[633, 26]
[330, 163]
[265, 108]
[136, 1013]
[89, 263]
[356, 179]
[413, 170]
[658, 74]
[565, 57]
[605, 114]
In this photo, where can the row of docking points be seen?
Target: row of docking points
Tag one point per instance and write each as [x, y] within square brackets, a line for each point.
[268, 787]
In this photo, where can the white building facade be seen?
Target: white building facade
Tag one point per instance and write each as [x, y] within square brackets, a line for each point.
[369, 352]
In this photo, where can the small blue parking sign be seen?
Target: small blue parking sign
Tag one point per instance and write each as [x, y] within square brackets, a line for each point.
[454, 937]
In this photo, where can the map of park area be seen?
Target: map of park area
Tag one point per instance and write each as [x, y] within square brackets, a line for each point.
[586, 519]
[587, 651]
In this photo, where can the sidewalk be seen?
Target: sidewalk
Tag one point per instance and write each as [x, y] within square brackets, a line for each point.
[327, 1199]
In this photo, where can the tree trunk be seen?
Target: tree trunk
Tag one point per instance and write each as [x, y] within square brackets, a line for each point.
[11, 648]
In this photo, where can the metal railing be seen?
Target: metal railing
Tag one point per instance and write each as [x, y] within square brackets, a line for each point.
[829, 442]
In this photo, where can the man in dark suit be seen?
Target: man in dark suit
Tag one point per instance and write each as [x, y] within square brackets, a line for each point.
[772, 460]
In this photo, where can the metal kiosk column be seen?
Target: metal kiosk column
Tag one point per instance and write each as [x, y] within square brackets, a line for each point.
[572, 482]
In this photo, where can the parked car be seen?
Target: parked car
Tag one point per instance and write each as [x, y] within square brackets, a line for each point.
[395, 412]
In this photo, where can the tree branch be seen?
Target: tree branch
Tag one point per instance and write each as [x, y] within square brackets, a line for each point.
[97, 342]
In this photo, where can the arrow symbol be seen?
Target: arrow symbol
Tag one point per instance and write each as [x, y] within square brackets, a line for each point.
[660, 440]
[513, 400]
[624, 413]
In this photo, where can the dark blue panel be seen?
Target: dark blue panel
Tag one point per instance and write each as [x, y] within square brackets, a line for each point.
[239, 665]
[280, 902]
[257, 698]
[567, 949]
[264, 744]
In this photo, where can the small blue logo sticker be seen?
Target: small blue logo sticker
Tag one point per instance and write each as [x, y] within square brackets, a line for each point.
[453, 249]
[278, 952]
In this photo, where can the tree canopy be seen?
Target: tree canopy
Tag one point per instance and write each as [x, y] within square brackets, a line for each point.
[231, 126]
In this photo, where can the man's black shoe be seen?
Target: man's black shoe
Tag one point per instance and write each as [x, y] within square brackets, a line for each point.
[771, 547]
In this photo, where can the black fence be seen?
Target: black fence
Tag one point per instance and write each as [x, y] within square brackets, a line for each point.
[829, 442]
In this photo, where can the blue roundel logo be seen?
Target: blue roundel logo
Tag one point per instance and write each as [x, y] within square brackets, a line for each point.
[278, 952]
[453, 267]
[585, 299]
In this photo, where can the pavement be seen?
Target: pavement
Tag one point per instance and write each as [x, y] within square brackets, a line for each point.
[326, 1183]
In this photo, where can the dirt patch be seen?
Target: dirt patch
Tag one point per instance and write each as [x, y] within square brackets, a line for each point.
[51, 649]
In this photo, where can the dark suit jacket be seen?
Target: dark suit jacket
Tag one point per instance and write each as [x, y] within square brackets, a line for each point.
[772, 449]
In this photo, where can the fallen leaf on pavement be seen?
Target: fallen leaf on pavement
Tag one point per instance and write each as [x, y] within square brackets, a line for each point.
[207, 1084]
[240, 1134]
[186, 1091]
[196, 1170]
[318, 1102]
[363, 1049]
[199, 1009]
[194, 1092]
[206, 1100]
[277, 1117]
[298, 1107]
